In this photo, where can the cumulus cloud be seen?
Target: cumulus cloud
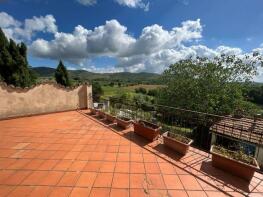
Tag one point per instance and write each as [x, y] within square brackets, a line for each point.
[152, 51]
[25, 30]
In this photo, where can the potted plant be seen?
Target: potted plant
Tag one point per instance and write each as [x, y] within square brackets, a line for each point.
[111, 115]
[177, 142]
[234, 162]
[93, 111]
[146, 129]
[123, 122]
[101, 113]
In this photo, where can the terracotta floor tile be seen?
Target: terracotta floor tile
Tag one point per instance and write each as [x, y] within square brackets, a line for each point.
[19, 164]
[82, 156]
[17, 177]
[172, 182]
[214, 193]
[123, 157]
[196, 194]
[167, 168]
[86, 179]
[138, 181]
[110, 157]
[112, 149]
[63, 165]
[149, 158]
[80, 192]
[93, 166]
[107, 167]
[21, 191]
[34, 164]
[158, 193]
[60, 192]
[71, 155]
[119, 193]
[35, 178]
[48, 164]
[120, 180]
[123, 167]
[155, 181]
[136, 157]
[137, 167]
[152, 168]
[124, 149]
[4, 174]
[77, 165]
[189, 182]
[179, 193]
[4, 190]
[139, 193]
[96, 156]
[5, 162]
[103, 180]
[40, 191]
[100, 192]
[52, 178]
[69, 179]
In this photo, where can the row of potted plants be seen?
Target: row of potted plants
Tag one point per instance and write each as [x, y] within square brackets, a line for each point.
[234, 162]
[121, 121]
[149, 131]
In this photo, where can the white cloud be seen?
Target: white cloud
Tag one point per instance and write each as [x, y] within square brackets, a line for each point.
[87, 2]
[8, 21]
[152, 51]
[25, 30]
[134, 4]
[127, 3]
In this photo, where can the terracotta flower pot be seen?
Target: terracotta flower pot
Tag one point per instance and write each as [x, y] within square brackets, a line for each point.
[110, 118]
[146, 129]
[93, 111]
[101, 114]
[123, 122]
[175, 144]
[235, 167]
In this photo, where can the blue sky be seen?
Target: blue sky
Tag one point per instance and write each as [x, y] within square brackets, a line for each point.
[138, 28]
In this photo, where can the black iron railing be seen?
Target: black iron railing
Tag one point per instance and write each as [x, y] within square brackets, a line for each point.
[197, 125]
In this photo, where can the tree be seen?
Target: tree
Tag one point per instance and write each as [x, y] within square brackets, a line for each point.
[61, 75]
[14, 68]
[96, 91]
[213, 86]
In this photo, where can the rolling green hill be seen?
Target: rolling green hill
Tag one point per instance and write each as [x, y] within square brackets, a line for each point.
[151, 78]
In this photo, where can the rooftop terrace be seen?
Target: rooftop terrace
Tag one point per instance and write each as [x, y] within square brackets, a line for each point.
[74, 154]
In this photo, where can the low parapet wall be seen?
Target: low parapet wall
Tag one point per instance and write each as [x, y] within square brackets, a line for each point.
[43, 98]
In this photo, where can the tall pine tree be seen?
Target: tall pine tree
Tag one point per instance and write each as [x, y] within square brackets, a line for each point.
[61, 75]
[14, 67]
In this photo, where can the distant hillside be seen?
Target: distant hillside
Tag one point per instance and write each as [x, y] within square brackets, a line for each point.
[46, 72]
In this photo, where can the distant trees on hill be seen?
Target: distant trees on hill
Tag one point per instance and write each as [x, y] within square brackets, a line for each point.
[61, 75]
[14, 68]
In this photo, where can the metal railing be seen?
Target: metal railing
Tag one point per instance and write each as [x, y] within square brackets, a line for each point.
[198, 126]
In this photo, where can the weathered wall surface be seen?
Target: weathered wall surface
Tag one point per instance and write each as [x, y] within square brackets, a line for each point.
[43, 98]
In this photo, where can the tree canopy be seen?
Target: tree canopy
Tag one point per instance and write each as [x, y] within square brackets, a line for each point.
[213, 86]
[14, 68]
[61, 75]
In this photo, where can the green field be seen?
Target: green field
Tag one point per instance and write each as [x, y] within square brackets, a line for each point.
[109, 91]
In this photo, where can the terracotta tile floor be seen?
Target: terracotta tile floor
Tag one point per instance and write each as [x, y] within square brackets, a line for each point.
[73, 154]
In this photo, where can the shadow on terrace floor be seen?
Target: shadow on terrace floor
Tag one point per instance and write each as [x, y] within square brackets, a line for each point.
[196, 163]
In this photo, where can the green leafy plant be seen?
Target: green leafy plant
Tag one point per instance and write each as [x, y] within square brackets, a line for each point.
[236, 155]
